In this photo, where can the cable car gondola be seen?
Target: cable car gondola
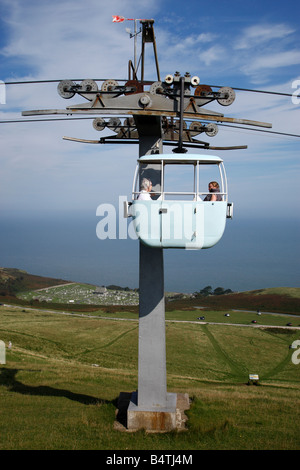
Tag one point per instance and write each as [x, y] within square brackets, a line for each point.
[190, 217]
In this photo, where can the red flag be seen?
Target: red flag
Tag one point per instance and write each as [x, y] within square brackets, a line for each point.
[118, 19]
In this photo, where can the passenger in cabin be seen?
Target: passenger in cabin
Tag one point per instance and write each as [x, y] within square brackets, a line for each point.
[146, 186]
[213, 187]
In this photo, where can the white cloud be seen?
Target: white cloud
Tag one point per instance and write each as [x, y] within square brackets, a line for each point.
[261, 48]
[271, 61]
[67, 39]
[211, 55]
[261, 34]
[206, 37]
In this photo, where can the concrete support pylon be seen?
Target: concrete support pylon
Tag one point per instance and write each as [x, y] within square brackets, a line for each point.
[151, 406]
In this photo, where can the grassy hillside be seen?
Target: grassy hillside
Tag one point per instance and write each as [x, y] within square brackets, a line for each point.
[15, 280]
[281, 300]
[287, 291]
[63, 375]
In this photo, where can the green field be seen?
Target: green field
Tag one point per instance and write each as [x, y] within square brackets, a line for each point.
[64, 373]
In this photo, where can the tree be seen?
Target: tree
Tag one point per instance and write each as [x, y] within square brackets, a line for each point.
[228, 291]
[218, 291]
[206, 291]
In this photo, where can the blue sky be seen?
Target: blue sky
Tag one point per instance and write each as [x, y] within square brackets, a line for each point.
[252, 44]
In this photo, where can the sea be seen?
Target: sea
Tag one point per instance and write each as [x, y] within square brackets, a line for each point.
[252, 254]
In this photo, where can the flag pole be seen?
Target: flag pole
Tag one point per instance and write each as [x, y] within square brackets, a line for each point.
[135, 34]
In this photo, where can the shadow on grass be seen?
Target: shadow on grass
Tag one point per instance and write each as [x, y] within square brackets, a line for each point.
[8, 379]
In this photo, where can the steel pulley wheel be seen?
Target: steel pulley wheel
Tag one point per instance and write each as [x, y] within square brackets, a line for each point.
[99, 124]
[156, 88]
[64, 89]
[203, 90]
[108, 86]
[169, 79]
[88, 86]
[129, 122]
[136, 86]
[114, 124]
[195, 81]
[229, 96]
[195, 128]
[211, 129]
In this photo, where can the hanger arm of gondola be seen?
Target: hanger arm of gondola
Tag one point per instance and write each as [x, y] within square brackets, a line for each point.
[115, 140]
[84, 141]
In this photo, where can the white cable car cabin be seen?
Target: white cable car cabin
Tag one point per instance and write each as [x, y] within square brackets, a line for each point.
[180, 212]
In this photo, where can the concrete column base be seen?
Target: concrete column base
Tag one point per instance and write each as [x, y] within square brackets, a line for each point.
[152, 418]
[131, 417]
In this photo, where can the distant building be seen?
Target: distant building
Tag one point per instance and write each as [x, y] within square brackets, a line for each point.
[100, 290]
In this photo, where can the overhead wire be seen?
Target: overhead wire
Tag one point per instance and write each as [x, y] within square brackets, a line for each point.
[256, 91]
[124, 80]
[260, 130]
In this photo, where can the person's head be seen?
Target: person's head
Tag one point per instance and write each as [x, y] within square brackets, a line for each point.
[213, 187]
[146, 185]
